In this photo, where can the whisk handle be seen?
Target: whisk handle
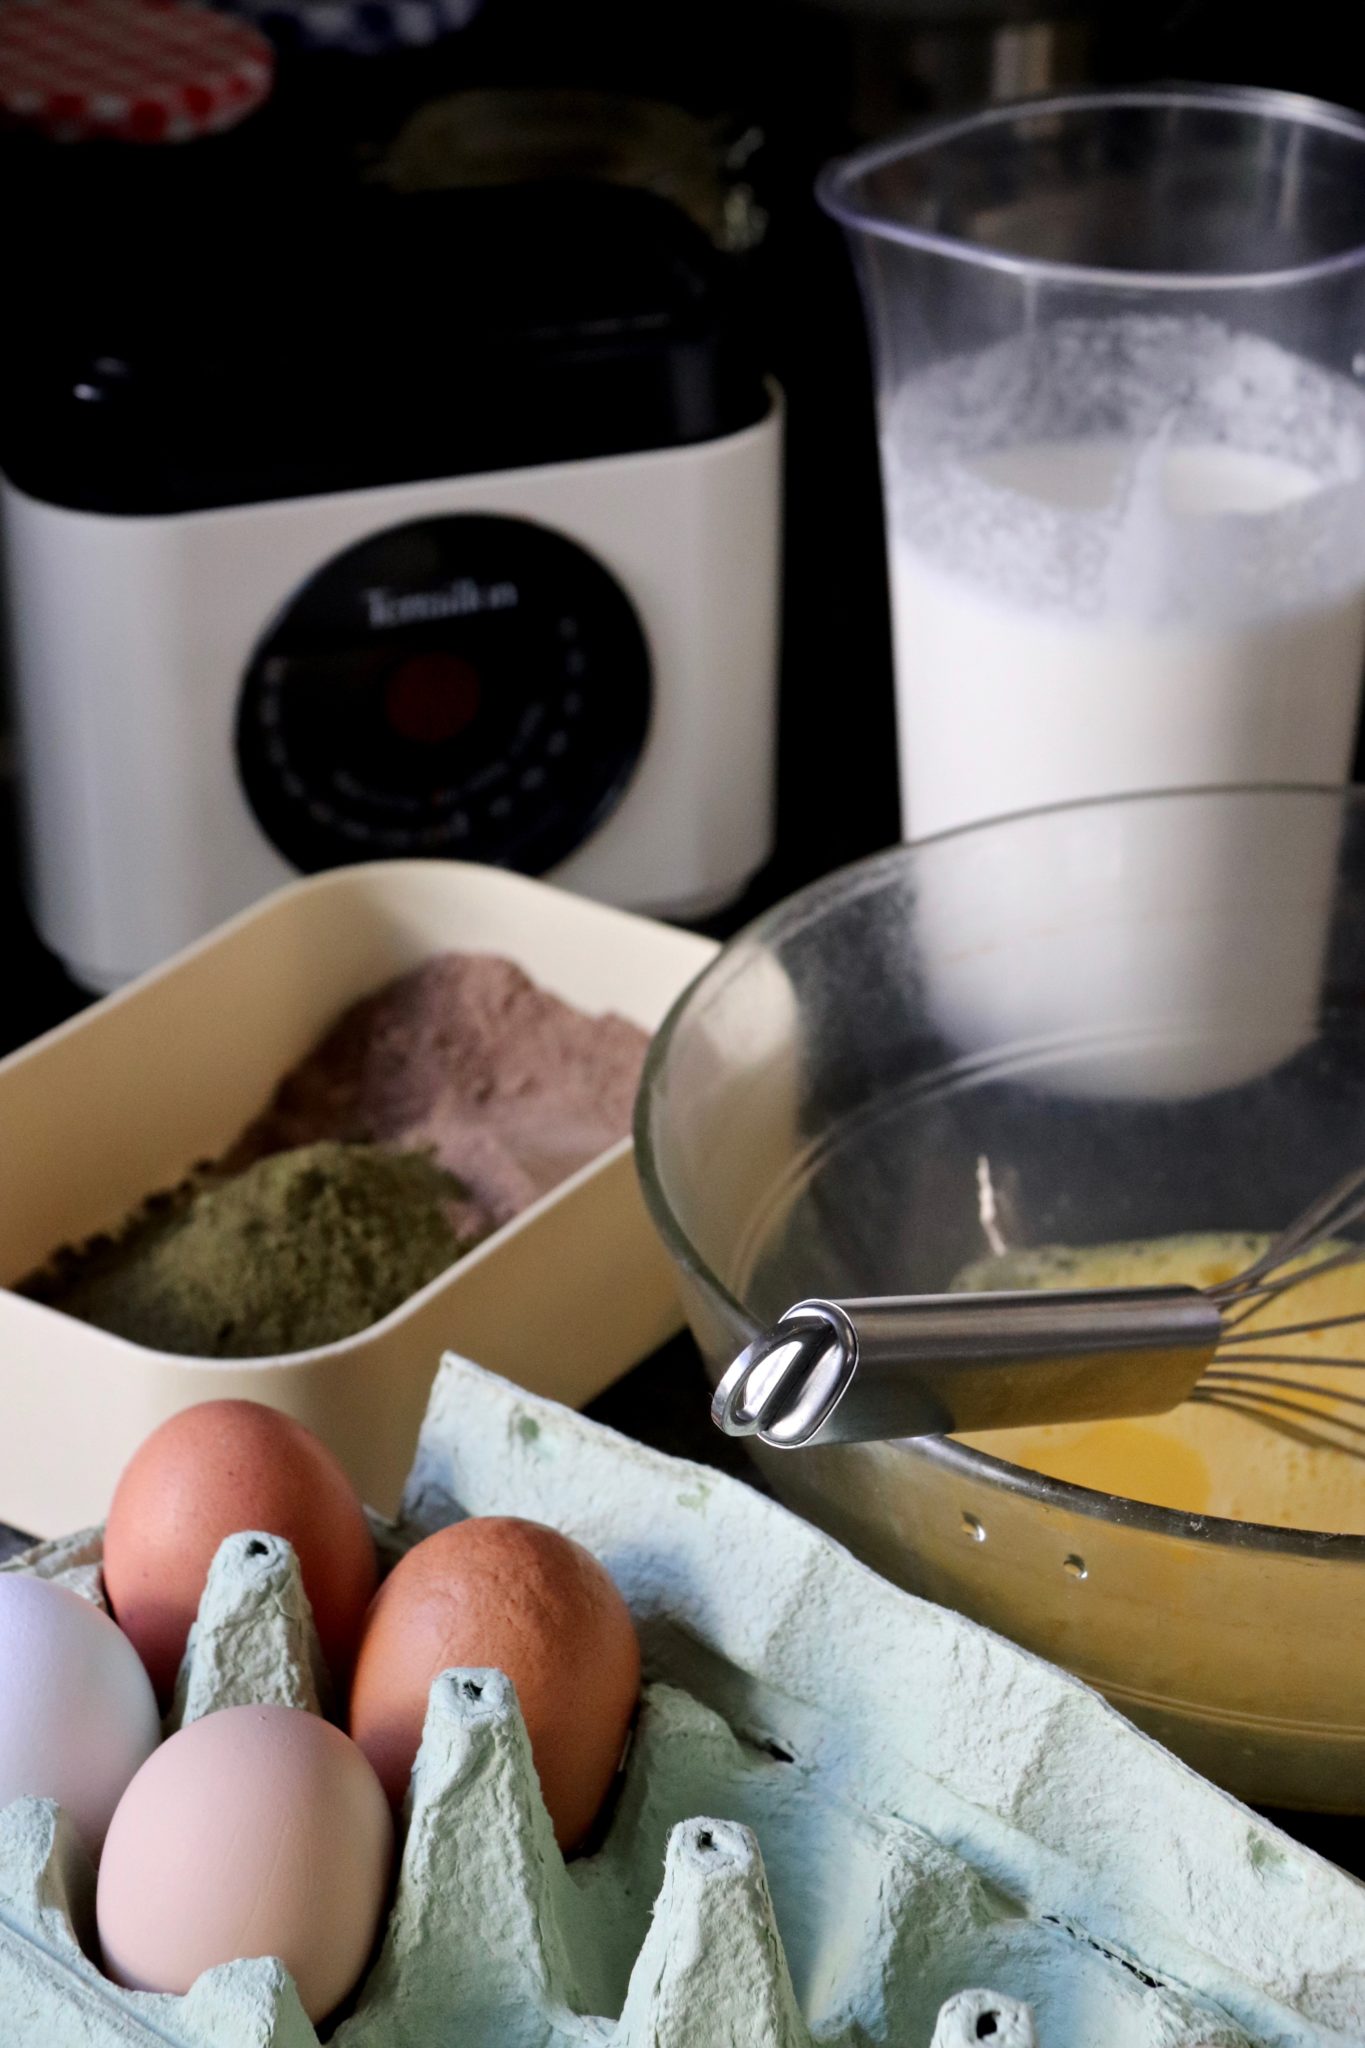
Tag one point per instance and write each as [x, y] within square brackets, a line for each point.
[833, 1372]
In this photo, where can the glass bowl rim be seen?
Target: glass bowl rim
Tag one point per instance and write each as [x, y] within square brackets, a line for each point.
[845, 883]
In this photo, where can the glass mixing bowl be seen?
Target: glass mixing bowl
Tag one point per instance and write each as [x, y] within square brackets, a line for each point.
[1106, 1021]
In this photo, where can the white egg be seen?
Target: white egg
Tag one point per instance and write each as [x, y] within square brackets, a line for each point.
[78, 1716]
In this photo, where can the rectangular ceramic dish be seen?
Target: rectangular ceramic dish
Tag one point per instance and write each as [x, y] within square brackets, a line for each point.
[127, 1097]
[848, 1819]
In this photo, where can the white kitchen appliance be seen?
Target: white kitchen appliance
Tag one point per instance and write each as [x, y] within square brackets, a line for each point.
[486, 567]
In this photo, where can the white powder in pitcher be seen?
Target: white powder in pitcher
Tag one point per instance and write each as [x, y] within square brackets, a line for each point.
[1124, 555]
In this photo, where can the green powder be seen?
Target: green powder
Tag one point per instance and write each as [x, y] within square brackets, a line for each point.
[302, 1248]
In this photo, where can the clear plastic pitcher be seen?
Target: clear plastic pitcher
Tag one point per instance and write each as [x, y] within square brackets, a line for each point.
[1120, 350]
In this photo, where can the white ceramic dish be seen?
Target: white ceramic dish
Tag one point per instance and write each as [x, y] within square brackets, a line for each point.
[128, 1096]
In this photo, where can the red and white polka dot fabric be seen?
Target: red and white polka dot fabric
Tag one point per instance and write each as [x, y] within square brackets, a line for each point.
[131, 70]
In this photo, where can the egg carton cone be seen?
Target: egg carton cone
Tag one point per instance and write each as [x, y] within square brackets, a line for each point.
[847, 1817]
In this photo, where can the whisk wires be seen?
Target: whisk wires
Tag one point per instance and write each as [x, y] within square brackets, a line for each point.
[1247, 1374]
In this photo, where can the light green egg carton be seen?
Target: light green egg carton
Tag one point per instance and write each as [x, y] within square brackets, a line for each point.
[844, 1809]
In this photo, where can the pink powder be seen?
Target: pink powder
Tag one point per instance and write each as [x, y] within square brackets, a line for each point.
[465, 1057]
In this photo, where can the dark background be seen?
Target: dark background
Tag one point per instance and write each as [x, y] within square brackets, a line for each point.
[802, 83]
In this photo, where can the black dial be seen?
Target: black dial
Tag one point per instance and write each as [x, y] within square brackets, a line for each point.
[467, 686]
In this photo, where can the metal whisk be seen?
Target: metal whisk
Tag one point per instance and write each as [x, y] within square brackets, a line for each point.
[831, 1372]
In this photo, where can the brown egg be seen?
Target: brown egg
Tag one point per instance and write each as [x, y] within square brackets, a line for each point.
[516, 1597]
[205, 1474]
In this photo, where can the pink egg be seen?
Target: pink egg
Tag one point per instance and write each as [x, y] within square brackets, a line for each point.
[257, 1831]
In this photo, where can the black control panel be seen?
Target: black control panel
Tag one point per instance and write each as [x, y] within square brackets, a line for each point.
[466, 686]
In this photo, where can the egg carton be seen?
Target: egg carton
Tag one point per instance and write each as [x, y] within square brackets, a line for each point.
[843, 1811]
